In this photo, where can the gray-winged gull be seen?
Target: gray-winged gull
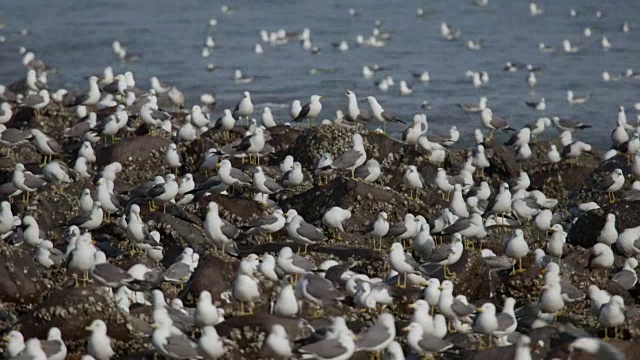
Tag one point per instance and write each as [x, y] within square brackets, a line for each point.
[25, 181]
[91, 220]
[551, 301]
[210, 345]
[251, 145]
[423, 243]
[99, 345]
[301, 231]
[334, 219]
[517, 248]
[221, 232]
[600, 349]
[244, 108]
[170, 342]
[352, 158]
[611, 183]
[486, 322]
[493, 122]
[107, 274]
[277, 343]
[354, 113]
[268, 224]
[378, 228]
[340, 347]
[292, 263]
[628, 242]
[627, 277]
[318, 290]
[568, 124]
[311, 110]
[164, 192]
[264, 184]
[286, 304]
[402, 262]
[232, 176]
[612, 314]
[245, 286]
[423, 343]
[448, 254]
[293, 177]
[413, 180]
[601, 256]
[507, 322]
[380, 114]
[369, 172]
[377, 337]
[323, 167]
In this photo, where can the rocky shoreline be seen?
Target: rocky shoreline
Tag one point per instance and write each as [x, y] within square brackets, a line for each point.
[33, 299]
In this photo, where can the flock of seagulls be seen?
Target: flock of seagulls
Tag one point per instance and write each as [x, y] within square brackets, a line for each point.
[419, 258]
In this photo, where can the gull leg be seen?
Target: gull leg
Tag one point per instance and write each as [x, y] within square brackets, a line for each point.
[490, 340]
[481, 344]
[491, 134]
[353, 173]
[606, 334]
[513, 271]
[242, 308]
[75, 277]
[451, 328]
[521, 269]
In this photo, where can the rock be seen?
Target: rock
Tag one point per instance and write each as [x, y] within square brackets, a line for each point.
[73, 309]
[131, 149]
[20, 280]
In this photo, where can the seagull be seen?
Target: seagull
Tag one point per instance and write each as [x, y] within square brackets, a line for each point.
[612, 314]
[277, 343]
[402, 262]
[538, 127]
[424, 344]
[380, 114]
[517, 248]
[600, 349]
[323, 167]
[369, 172]
[475, 108]
[99, 344]
[493, 122]
[293, 264]
[608, 235]
[340, 347]
[301, 231]
[334, 219]
[25, 181]
[379, 336]
[232, 176]
[244, 108]
[311, 110]
[263, 184]
[413, 180]
[537, 105]
[568, 47]
[573, 99]
[45, 144]
[92, 96]
[170, 342]
[163, 192]
[225, 123]
[352, 158]
[531, 79]
[252, 144]
[354, 113]
[568, 125]
[486, 322]
[612, 183]
[293, 177]
[220, 231]
[295, 109]
[627, 277]
[378, 228]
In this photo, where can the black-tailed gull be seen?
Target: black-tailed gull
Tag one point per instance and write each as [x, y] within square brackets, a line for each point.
[378, 228]
[99, 344]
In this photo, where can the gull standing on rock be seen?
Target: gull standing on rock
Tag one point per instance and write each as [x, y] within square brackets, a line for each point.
[448, 254]
[486, 322]
[612, 314]
[369, 172]
[608, 235]
[245, 287]
[293, 177]
[91, 97]
[221, 232]
[627, 277]
[99, 345]
[232, 176]
[354, 113]
[413, 180]
[252, 145]
[352, 158]
[378, 228]
[277, 343]
[334, 219]
[269, 223]
[492, 122]
[244, 108]
[294, 111]
[301, 231]
[225, 123]
[517, 248]
[311, 110]
[323, 168]
[263, 184]
[380, 114]
[206, 313]
[402, 262]
[46, 145]
[164, 192]
[612, 183]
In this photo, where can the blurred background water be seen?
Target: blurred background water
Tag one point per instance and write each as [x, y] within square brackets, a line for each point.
[76, 37]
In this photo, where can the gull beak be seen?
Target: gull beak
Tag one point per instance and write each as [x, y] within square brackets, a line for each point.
[543, 271]
[347, 93]
[405, 329]
[321, 97]
[6, 338]
[260, 258]
[390, 248]
[411, 306]
[441, 288]
[94, 242]
[154, 326]
[89, 328]
[479, 310]
[218, 166]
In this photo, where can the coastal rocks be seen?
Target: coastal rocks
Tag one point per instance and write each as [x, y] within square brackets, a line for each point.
[20, 280]
[73, 309]
[131, 149]
[216, 275]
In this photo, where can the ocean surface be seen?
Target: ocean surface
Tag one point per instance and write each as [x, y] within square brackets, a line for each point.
[76, 36]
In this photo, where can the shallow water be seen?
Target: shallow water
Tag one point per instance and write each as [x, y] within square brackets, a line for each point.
[76, 37]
